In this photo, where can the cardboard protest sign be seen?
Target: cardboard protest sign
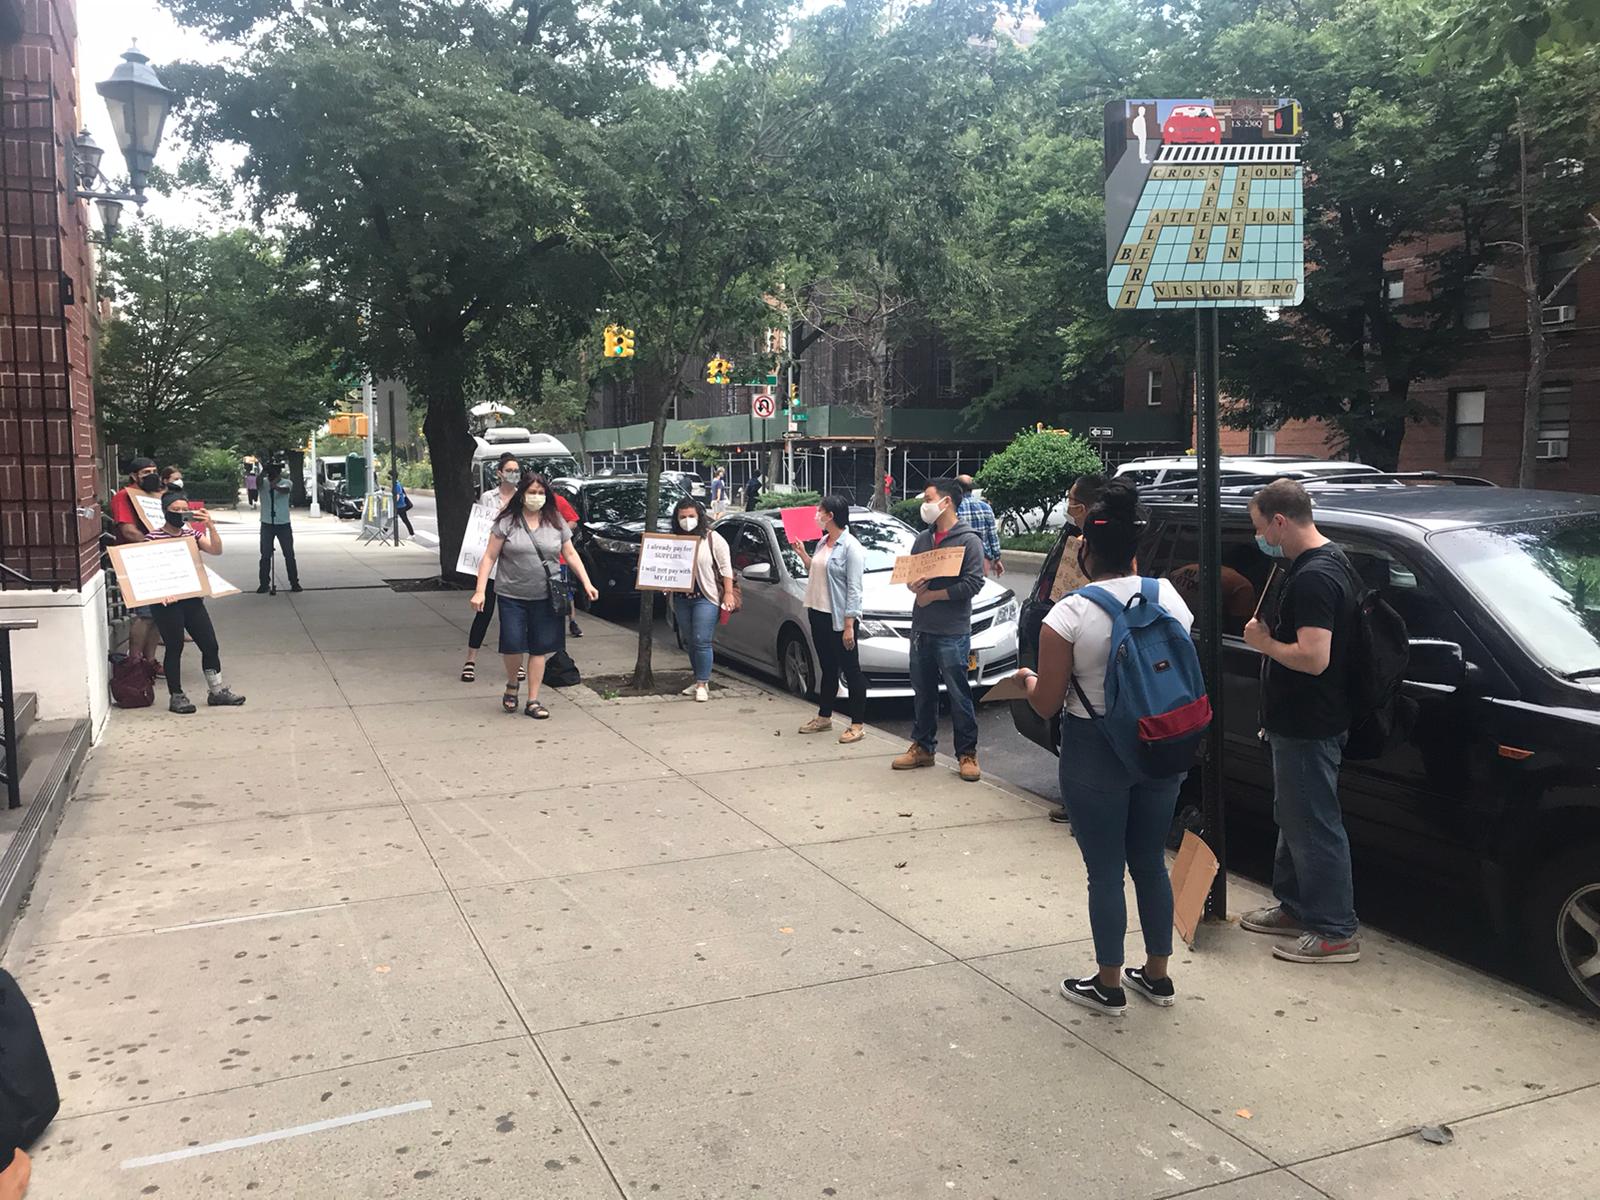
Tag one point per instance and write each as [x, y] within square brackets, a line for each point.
[219, 586]
[475, 542]
[930, 564]
[800, 524]
[1192, 873]
[155, 572]
[666, 563]
[1009, 688]
[148, 509]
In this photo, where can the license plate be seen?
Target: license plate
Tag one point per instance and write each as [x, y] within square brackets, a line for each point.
[972, 663]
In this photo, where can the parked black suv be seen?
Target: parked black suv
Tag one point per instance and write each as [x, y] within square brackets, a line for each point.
[610, 524]
[1497, 790]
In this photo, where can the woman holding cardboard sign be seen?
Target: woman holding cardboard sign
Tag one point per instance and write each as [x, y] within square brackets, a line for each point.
[529, 541]
[698, 612]
[176, 618]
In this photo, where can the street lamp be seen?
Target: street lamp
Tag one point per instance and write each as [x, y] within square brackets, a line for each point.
[138, 103]
[110, 217]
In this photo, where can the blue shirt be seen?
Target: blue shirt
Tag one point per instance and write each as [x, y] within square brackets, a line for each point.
[275, 503]
[980, 516]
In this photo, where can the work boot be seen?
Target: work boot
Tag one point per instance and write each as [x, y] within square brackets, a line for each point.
[914, 757]
[179, 703]
[969, 768]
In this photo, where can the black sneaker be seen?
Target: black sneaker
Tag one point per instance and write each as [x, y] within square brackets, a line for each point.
[1058, 816]
[1159, 992]
[295, 587]
[573, 630]
[1109, 1002]
[223, 698]
[262, 590]
[179, 703]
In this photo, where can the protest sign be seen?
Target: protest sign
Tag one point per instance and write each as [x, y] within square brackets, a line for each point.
[475, 542]
[1009, 688]
[800, 524]
[666, 563]
[218, 585]
[154, 572]
[930, 564]
[1192, 873]
[148, 508]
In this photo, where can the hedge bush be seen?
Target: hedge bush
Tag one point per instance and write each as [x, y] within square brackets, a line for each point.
[212, 465]
[908, 510]
[1036, 470]
[770, 500]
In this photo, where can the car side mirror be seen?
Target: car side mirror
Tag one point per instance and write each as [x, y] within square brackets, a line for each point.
[1436, 662]
[758, 573]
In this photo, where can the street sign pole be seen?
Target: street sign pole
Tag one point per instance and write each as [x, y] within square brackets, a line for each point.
[394, 466]
[1208, 450]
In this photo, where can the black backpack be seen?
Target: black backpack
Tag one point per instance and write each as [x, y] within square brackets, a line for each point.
[1376, 657]
[560, 671]
[28, 1097]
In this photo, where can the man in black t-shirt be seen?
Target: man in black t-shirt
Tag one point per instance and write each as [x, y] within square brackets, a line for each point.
[1306, 712]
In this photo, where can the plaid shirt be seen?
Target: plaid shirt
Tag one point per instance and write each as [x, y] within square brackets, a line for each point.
[980, 516]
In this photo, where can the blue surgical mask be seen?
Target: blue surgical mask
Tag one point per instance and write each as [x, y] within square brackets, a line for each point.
[1268, 548]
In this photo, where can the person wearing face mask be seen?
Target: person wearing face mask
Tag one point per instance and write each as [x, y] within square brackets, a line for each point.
[1306, 713]
[275, 528]
[144, 638]
[941, 635]
[508, 474]
[172, 479]
[1084, 494]
[833, 604]
[180, 618]
[698, 612]
[526, 549]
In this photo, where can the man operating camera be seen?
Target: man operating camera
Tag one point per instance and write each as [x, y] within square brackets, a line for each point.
[275, 527]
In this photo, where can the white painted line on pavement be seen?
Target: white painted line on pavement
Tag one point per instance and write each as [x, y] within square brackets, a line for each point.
[277, 1135]
[282, 912]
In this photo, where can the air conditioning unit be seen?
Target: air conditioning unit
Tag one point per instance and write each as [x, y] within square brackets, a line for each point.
[1559, 314]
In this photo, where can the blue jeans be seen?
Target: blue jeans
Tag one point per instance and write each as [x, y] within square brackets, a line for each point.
[942, 657]
[1118, 819]
[1311, 871]
[697, 625]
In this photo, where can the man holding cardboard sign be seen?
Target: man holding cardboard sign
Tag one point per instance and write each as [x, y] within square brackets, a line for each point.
[941, 627]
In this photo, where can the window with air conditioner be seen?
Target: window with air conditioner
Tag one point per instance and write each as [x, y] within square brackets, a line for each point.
[1152, 389]
[1464, 433]
[1560, 303]
[1555, 420]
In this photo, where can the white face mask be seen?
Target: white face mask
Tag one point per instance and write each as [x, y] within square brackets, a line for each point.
[930, 511]
[689, 523]
[533, 501]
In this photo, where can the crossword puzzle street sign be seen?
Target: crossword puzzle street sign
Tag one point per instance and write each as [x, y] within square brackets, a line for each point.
[1205, 204]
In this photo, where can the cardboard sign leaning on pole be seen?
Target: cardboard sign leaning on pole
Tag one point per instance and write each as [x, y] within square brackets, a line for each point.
[1192, 873]
[160, 571]
[666, 563]
[930, 564]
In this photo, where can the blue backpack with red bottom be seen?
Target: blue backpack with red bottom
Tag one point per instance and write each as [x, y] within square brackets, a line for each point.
[1156, 709]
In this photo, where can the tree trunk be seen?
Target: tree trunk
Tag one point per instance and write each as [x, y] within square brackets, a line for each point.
[877, 399]
[1533, 385]
[450, 447]
[657, 392]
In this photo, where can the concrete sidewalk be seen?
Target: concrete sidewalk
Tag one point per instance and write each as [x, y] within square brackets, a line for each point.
[369, 937]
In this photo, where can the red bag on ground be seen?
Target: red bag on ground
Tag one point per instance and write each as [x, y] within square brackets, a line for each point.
[133, 682]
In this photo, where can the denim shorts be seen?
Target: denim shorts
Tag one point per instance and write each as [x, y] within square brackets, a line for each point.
[147, 611]
[528, 626]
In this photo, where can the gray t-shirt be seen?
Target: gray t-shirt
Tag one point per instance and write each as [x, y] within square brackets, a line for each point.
[520, 573]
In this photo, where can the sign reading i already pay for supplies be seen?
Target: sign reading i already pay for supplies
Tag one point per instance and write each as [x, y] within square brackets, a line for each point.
[930, 564]
[666, 563]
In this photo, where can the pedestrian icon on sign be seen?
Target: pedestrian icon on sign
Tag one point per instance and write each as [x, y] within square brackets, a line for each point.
[1141, 131]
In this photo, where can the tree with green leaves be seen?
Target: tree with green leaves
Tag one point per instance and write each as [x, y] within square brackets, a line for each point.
[1036, 471]
[215, 340]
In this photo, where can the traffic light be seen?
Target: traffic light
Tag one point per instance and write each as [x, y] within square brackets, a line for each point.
[718, 370]
[613, 342]
[625, 345]
[1286, 120]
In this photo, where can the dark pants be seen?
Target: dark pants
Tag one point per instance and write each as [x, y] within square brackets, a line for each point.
[480, 622]
[837, 660]
[405, 519]
[937, 658]
[1311, 872]
[1119, 819]
[285, 537]
[178, 618]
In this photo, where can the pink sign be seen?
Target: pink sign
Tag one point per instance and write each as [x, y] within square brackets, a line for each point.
[800, 524]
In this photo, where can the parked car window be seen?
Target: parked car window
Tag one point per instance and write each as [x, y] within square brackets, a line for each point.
[751, 548]
[1542, 579]
[882, 541]
[1245, 571]
[623, 502]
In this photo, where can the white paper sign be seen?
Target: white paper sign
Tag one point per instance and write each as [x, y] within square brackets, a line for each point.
[168, 569]
[475, 542]
[666, 563]
[219, 585]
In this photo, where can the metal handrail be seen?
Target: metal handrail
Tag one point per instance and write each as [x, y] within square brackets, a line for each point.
[8, 711]
[31, 582]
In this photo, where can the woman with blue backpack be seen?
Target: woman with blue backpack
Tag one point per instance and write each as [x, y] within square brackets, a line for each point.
[1116, 661]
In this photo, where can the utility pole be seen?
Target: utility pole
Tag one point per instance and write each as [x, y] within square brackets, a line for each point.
[394, 468]
[316, 477]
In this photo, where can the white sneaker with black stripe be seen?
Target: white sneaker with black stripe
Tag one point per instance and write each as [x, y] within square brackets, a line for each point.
[1108, 1002]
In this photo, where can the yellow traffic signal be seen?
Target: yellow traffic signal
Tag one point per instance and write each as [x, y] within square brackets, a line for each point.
[613, 342]
[718, 370]
[625, 344]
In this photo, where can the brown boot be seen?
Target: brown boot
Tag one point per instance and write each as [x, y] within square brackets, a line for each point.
[969, 768]
[914, 757]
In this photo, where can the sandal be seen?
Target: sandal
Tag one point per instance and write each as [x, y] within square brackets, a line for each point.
[469, 672]
[536, 710]
[509, 700]
[522, 674]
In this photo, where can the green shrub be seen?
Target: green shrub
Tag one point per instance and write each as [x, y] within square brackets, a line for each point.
[786, 499]
[1036, 470]
[416, 474]
[1040, 542]
[211, 465]
[210, 491]
[908, 510]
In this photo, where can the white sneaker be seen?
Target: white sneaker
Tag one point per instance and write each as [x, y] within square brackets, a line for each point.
[701, 693]
[690, 690]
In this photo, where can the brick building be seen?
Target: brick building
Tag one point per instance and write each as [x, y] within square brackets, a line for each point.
[49, 486]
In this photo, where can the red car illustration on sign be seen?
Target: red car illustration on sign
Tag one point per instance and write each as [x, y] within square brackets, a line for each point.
[1191, 125]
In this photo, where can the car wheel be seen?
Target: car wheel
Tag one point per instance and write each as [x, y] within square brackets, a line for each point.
[1562, 924]
[1010, 525]
[794, 664]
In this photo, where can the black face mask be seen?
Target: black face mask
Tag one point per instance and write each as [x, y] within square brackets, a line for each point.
[151, 483]
[176, 519]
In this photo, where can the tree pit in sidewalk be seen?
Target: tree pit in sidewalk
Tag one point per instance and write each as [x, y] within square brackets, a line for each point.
[667, 683]
[431, 583]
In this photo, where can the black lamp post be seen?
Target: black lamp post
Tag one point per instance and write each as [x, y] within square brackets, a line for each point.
[138, 103]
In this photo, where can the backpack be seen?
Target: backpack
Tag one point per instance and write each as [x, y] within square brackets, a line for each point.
[560, 671]
[133, 680]
[28, 1097]
[1157, 709]
[1377, 654]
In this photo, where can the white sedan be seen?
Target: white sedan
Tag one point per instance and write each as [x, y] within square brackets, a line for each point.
[772, 633]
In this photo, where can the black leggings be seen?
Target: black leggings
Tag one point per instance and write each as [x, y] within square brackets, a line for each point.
[836, 658]
[405, 516]
[480, 623]
[176, 619]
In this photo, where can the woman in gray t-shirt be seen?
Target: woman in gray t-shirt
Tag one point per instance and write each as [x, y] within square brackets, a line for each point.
[528, 542]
